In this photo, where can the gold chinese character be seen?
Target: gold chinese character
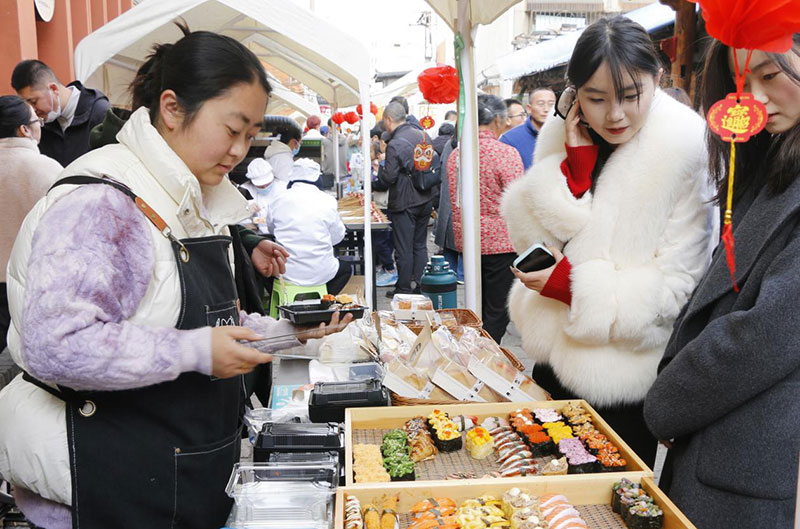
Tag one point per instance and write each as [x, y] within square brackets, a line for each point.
[737, 119]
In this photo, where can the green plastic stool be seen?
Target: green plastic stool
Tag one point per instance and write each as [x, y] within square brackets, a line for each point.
[293, 293]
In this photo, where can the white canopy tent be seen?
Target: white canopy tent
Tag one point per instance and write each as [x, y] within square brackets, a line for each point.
[463, 17]
[557, 51]
[406, 86]
[282, 34]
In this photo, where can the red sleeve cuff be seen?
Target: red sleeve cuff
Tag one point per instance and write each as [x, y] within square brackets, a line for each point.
[578, 167]
[559, 286]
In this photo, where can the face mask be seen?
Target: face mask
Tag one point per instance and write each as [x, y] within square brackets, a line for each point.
[53, 115]
[296, 151]
[263, 192]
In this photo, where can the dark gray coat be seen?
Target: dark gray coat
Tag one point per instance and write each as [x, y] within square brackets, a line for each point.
[395, 174]
[729, 389]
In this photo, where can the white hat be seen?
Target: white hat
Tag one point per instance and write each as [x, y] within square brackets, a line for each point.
[305, 169]
[259, 171]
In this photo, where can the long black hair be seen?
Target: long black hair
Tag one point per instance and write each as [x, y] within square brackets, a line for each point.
[14, 111]
[766, 159]
[200, 66]
[627, 48]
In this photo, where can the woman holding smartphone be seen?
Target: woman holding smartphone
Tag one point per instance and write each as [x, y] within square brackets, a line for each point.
[728, 394]
[618, 192]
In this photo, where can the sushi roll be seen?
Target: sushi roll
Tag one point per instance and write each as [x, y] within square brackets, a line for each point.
[400, 467]
[543, 415]
[645, 515]
[479, 443]
[558, 431]
[618, 490]
[520, 502]
[444, 432]
[579, 460]
[556, 467]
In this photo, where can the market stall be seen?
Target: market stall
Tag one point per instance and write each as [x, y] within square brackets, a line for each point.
[284, 35]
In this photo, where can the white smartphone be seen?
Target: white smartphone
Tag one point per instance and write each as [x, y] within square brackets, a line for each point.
[537, 257]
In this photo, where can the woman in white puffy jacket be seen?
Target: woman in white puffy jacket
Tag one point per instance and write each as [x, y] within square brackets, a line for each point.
[125, 313]
[618, 191]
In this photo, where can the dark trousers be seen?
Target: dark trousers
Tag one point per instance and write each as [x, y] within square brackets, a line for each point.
[383, 243]
[496, 279]
[341, 278]
[625, 419]
[456, 262]
[5, 316]
[410, 230]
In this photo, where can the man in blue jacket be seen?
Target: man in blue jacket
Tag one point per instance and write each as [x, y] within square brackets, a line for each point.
[70, 112]
[523, 137]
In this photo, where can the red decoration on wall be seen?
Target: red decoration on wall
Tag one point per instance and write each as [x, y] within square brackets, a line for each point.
[439, 84]
[766, 25]
[427, 122]
[338, 118]
[351, 117]
[738, 120]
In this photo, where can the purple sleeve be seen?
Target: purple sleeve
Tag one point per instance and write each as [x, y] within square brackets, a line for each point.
[90, 265]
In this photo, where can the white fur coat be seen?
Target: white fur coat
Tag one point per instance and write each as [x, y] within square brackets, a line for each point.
[638, 245]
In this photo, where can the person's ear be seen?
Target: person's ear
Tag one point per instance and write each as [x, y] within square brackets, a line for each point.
[170, 111]
[23, 131]
[659, 75]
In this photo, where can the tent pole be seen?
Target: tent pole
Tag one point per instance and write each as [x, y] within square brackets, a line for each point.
[468, 163]
[336, 151]
[366, 172]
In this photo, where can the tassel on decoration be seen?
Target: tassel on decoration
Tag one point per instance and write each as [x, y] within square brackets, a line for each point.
[727, 226]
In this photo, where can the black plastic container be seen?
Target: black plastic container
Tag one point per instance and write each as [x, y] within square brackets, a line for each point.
[329, 399]
[295, 438]
[302, 314]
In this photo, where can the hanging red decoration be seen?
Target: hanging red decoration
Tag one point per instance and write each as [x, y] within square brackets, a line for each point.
[427, 122]
[439, 84]
[373, 108]
[766, 25]
[338, 118]
[351, 117]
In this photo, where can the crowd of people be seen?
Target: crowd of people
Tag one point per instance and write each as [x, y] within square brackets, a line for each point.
[134, 270]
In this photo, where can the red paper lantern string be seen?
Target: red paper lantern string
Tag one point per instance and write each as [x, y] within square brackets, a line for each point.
[338, 118]
[351, 117]
[439, 84]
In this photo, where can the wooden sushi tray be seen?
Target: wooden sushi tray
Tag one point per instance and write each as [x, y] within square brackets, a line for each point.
[367, 425]
[589, 493]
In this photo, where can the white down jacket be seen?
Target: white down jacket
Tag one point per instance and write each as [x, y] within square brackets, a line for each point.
[638, 244]
[37, 442]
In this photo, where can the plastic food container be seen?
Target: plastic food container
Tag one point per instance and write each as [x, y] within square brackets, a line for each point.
[412, 307]
[295, 437]
[303, 313]
[282, 495]
[329, 399]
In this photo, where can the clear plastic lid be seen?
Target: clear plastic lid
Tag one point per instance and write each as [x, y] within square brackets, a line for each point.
[304, 500]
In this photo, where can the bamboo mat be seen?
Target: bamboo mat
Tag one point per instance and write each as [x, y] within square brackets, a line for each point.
[443, 463]
[595, 516]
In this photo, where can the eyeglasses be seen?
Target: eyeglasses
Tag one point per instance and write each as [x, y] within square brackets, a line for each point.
[544, 104]
[40, 121]
[520, 115]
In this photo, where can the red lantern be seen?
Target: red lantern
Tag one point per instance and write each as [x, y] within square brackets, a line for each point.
[427, 122]
[439, 84]
[373, 108]
[351, 117]
[338, 118]
[766, 25]
[358, 111]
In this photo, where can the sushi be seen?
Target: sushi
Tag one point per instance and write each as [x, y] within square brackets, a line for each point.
[579, 460]
[644, 515]
[444, 432]
[396, 456]
[430, 508]
[555, 467]
[479, 443]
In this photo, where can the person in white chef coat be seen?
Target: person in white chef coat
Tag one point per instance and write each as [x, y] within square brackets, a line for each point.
[262, 188]
[305, 221]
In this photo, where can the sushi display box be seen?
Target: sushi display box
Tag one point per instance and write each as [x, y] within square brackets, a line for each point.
[367, 426]
[590, 494]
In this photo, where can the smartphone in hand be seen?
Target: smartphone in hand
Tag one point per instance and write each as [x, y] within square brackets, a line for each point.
[535, 258]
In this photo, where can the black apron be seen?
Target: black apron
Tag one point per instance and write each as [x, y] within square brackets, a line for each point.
[160, 456]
